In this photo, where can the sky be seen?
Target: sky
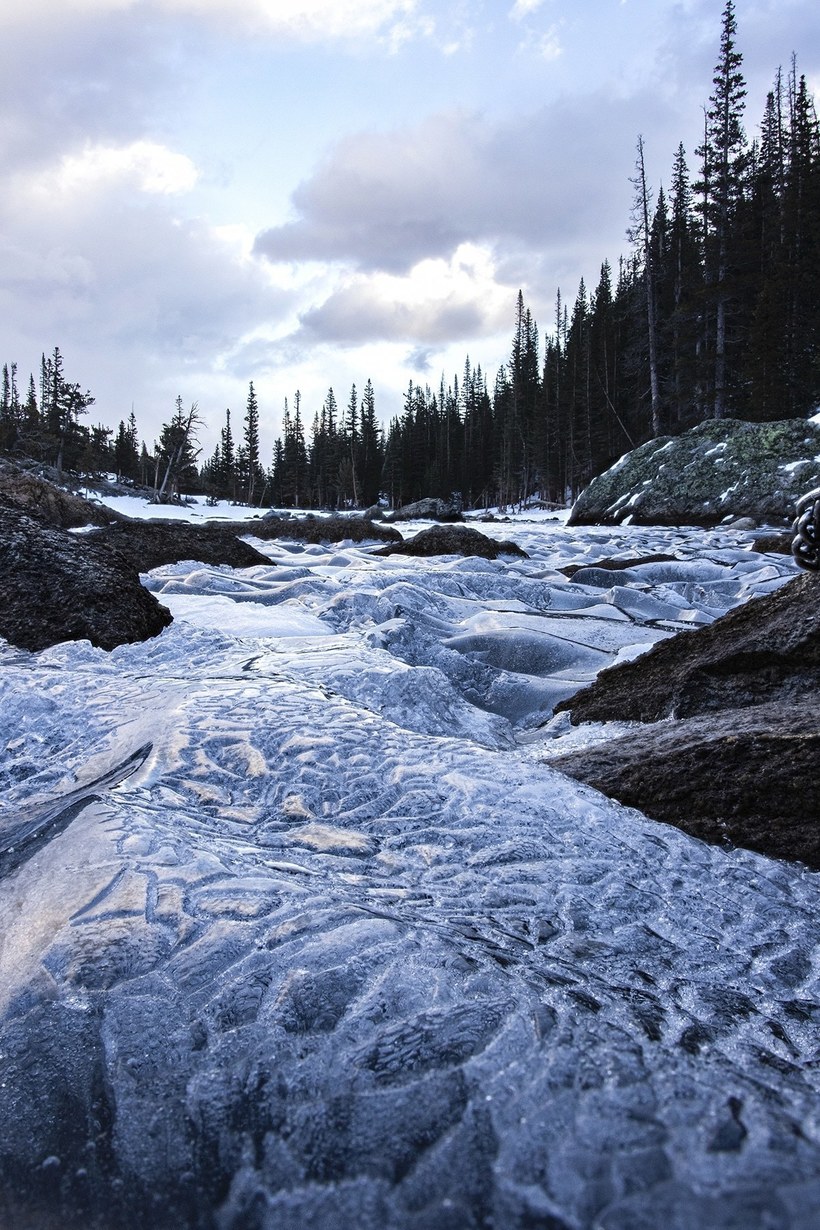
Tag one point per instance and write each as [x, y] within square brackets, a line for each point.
[313, 193]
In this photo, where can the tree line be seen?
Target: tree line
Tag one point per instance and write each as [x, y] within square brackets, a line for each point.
[714, 312]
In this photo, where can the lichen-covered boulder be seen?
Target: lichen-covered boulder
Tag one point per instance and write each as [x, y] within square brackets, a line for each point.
[719, 470]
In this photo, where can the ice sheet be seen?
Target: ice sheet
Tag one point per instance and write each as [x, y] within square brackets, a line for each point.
[340, 950]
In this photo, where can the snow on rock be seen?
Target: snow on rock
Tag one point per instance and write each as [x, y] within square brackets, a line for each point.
[309, 937]
[720, 470]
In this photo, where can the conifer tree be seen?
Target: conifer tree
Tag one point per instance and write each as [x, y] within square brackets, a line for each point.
[254, 475]
[641, 235]
[723, 154]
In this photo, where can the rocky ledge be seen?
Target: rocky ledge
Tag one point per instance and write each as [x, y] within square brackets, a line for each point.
[153, 544]
[49, 502]
[728, 742]
[310, 528]
[60, 587]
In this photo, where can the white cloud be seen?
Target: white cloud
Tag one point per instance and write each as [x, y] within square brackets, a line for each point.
[313, 20]
[437, 300]
[523, 8]
[386, 201]
[549, 45]
[144, 165]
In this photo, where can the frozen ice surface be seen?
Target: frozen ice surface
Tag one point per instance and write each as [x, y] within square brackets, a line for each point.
[297, 928]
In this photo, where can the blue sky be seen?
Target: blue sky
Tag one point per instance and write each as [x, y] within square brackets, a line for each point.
[306, 193]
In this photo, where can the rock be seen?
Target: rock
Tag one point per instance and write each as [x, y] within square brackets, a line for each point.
[151, 544]
[618, 565]
[49, 502]
[717, 472]
[743, 523]
[746, 777]
[773, 544]
[453, 540]
[427, 510]
[739, 766]
[767, 649]
[338, 528]
[58, 586]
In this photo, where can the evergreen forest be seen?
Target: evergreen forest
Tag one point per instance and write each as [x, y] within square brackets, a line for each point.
[713, 313]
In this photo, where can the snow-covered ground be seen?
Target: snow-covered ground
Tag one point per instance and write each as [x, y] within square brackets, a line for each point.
[306, 901]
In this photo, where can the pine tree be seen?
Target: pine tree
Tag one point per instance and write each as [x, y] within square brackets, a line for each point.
[125, 455]
[255, 476]
[350, 462]
[227, 460]
[724, 165]
[371, 448]
[176, 454]
[641, 235]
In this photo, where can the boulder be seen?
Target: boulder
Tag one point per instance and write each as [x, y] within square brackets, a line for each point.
[767, 649]
[717, 472]
[746, 777]
[453, 540]
[49, 502]
[151, 544]
[728, 745]
[338, 528]
[427, 510]
[58, 586]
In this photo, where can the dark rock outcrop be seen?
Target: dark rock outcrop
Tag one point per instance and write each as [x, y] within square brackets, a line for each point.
[453, 540]
[740, 764]
[426, 510]
[744, 778]
[320, 529]
[151, 544]
[57, 586]
[50, 503]
[718, 471]
[618, 565]
[766, 650]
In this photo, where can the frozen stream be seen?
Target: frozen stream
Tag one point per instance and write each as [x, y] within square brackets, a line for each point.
[299, 929]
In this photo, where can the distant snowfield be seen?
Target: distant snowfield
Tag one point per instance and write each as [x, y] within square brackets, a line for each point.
[348, 953]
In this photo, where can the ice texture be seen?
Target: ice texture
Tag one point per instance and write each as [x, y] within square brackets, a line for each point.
[296, 930]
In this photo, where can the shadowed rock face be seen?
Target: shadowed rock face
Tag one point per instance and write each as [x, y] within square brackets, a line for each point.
[741, 765]
[766, 650]
[744, 778]
[58, 587]
[50, 503]
[453, 540]
[320, 529]
[151, 544]
[429, 509]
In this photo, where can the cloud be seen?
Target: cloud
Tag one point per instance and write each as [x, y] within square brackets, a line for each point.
[385, 201]
[436, 302]
[548, 45]
[523, 8]
[133, 294]
[306, 20]
[144, 165]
